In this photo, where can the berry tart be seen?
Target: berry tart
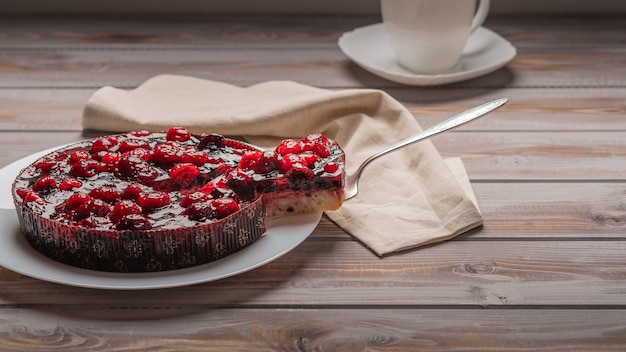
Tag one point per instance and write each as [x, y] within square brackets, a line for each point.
[153, 201]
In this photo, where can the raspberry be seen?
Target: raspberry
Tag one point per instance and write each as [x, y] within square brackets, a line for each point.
[110, 160]
[153, 200]
[79, 155]
[298, 174]
[123, 208]
[194, 197]
[195, 157]
[133, 222]
[46, 166]
[84, 168]
[331, 167]
[76, 200]
[134, 167]
[259, 162]
[168, 153]
[131, 192]
[69, 183]
[32, 197]
[200, 211]
[318, 144]
[132, 144]
[288, 146]
[93, 206]
[44, 183]
[318, 149]
[217, 190]
[103, 144]
[224, 207]
[106, 193]
[184, 174]
[309, 159]
[179, 134]
[287, 162]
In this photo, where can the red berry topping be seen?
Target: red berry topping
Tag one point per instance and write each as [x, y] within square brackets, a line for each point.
[84, 168]
[113, 182]
[196, 158]
[46, 166]
[224, 207]
[69, 184]
[132, 144]
[134, 167]
[79, 155]
[317, 148]
[168, 153]
[178, 134]
[110, 160]
[259, 162]
[131, 191]
[184, 174]
[194, 197]
[123, 208]
[32, 197]
[299, 174]
[107, 193]
[76, 200]
[93, 206]
[200, 211]
[133, 222]
[103, 144]
[286, 162]
[153, 200]
[44, 183]
[331, 167]
[289, 146]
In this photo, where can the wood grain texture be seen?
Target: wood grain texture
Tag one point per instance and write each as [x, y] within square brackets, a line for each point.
[210, 329]
[326, 273]
[545, 272]
[528, 109]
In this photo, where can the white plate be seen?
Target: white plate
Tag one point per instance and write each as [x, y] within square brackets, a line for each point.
[283, 234]
[369, 48]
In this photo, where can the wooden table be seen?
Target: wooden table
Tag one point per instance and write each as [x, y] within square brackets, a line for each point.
[547, 271]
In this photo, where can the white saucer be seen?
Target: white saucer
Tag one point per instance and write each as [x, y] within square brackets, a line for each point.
[369, 48]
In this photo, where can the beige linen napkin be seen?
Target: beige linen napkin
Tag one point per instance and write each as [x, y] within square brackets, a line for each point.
[408, 198]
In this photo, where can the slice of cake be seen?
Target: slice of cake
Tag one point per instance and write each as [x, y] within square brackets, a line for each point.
[160, 201]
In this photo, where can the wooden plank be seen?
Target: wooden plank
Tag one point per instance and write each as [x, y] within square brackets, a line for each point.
[538, 155]
[176, 31]
[321, 273]
[323, 67]
[208, 329]
[533, 109]
[526, 32]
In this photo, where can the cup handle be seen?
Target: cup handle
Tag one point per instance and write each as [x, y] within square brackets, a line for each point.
[481, 14]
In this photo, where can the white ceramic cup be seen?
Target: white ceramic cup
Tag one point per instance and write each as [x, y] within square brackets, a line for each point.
[428, 36]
